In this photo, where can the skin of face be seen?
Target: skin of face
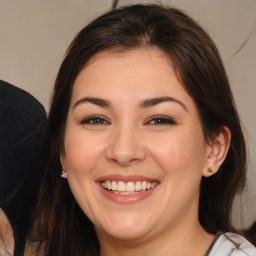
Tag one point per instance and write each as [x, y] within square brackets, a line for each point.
[115, 129]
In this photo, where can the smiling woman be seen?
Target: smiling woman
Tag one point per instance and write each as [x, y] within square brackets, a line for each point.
[144, 127]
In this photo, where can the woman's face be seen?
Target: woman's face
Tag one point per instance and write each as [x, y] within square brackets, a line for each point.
[134, 146]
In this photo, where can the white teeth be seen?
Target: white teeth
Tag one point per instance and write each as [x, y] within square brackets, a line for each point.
[127, 187]
[104, 184]
[109, 185]
[121, 186]
[114, 185]
[144, 185]
[138, 186]
[130, 186]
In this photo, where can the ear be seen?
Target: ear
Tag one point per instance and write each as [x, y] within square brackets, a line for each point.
[216, 152]
[62, 160]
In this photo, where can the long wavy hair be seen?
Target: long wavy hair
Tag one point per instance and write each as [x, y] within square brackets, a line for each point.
[60, 227]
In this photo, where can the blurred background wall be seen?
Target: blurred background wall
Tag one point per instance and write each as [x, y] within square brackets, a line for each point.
[34, 35]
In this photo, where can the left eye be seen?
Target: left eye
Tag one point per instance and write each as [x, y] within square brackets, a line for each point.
[161, 121]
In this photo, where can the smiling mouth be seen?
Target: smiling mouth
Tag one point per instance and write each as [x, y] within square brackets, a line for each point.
[127, 188]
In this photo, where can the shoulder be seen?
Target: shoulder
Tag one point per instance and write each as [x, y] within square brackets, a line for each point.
[21, 115]
[230, 244]
[15, 101]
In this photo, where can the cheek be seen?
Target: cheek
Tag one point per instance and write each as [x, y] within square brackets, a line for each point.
[180, 152]
[82, 152]
[169, 152]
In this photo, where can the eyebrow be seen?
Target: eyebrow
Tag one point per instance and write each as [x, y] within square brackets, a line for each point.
[144, 104]
[154, 101]
[96, 101]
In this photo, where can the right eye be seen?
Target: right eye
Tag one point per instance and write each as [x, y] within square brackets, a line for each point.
[94, 120]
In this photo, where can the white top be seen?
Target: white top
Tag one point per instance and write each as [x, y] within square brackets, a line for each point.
[230, 244]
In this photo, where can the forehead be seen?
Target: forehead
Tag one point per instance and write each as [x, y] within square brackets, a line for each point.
[142, 69]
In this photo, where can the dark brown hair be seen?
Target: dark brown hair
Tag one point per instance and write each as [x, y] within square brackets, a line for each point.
[60, 226]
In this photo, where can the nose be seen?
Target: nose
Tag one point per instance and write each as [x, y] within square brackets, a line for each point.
[126, 146]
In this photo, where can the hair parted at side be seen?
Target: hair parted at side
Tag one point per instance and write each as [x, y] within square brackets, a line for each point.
[60, 227]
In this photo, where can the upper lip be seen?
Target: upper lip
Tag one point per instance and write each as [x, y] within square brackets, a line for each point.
[127, 178]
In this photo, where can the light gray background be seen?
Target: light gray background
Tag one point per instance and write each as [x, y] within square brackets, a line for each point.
[34, 35]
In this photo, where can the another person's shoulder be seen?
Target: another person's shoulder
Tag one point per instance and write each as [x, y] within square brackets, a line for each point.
[230, 244]
[20, 114]
[19, 100]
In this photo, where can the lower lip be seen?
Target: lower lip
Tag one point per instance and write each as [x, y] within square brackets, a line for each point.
[126, 199]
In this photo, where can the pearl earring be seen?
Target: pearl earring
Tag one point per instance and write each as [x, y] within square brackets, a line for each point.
[63, 173]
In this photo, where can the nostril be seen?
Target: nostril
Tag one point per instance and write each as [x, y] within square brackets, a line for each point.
[125, 146]
[125, 158]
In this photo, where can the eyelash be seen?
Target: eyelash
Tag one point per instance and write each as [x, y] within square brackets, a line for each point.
[157, 120]
[95, 120]
[161, 120]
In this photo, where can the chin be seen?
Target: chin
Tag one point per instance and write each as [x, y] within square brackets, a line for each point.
[126, 231]
[126, 235]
